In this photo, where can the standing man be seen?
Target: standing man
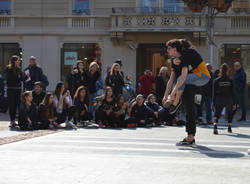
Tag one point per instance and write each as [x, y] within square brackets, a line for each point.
[34, 74]
[207, 92]
[240, 85]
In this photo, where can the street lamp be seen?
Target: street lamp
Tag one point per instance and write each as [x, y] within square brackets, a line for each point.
[213, 8]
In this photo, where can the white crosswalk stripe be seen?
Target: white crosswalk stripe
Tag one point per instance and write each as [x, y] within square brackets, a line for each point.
[127, 143]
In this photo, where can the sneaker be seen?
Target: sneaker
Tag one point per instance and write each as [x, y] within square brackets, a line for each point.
[51, 126]
[56, 125]
[13, 124]
[168, 102]
[215, 130]
[71, 125]
[241, 119]
[229, 129]
[185, 142]
[173, 108]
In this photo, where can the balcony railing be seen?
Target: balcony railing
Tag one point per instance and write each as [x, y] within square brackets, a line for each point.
[81, 12]
[6, 22]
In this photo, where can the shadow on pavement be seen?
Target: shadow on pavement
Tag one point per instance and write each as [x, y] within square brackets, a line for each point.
[213, 153]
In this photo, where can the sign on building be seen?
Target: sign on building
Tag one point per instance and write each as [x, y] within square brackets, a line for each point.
[70, 58]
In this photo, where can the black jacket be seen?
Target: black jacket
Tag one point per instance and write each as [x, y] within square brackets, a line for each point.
[37, 99]
[116, 81]
[80, 79]
[14, 78]
[141, 112]
[160, 88]
[36, 74]
[207, 90]
[223, 91]
[240, 81]
[92, 81]
[80, 106]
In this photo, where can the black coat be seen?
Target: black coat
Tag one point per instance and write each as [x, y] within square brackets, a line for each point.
[36, 74]
[116, 81]
[37, 99]
[92, 81]
[80, 79]
[160, 88]
[14, 78]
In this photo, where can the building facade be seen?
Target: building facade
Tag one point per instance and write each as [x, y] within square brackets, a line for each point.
[59, 32]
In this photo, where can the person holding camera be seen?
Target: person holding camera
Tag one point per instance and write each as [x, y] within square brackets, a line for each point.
[64, 106]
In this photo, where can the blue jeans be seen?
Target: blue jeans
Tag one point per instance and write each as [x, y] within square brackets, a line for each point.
[241, 102]
[193, 79]
[208, 105]
[91, 103]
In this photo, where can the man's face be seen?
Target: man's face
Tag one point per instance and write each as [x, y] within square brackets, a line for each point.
[38, 89]
[32, 62]
[237, 66]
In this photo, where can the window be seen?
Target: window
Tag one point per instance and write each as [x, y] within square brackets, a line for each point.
[5, 7]
[171, 6]
[149, 6]
[6, 51]
[81, 7]
[241, 4]
[71, 52]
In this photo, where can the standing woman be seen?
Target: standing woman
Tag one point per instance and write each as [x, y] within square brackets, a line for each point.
[81, 106]
[80, 77]
[28, 113]
[92, 75]
[64, 106]
[224, 96]
[161, 82]
[15, 77]
[46, 112]
[116, 80]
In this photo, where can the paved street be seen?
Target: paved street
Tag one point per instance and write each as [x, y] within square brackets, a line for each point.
[128, 156]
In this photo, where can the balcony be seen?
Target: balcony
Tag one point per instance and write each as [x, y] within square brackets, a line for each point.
[169, 19]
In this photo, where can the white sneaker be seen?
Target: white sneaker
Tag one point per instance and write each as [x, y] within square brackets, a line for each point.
[70, 124]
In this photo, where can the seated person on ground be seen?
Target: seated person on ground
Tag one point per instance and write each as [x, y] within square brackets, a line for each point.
[82, 114]
[38, 94]
[46, 112]
[104, 115]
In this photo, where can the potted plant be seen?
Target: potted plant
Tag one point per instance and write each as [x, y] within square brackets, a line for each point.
[195, 5]
[221, 5]
[225, 5]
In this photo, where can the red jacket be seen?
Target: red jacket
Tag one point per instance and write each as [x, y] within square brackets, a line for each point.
[146, 86]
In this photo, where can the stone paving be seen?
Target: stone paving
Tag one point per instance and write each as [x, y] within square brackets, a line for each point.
[125, 156]
[129, 156]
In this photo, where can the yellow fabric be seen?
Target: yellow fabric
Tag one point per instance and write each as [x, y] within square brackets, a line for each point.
[201, 69]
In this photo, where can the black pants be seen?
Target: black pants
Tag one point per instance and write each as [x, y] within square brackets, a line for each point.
[188, 97]
[87, 116]
[67, 114]
[14, 98]
[102, 116]
[25, 125]
[120, 121]
[229, 111]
